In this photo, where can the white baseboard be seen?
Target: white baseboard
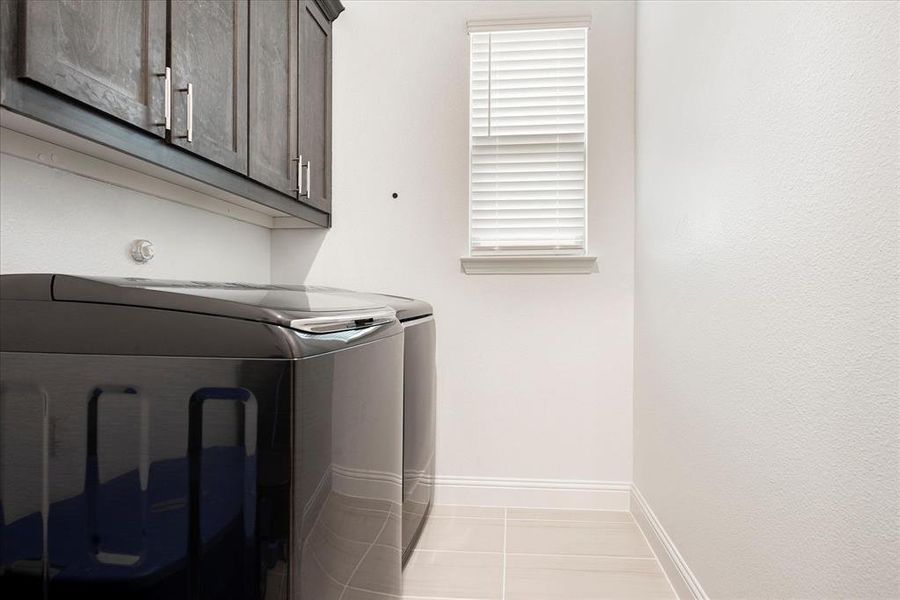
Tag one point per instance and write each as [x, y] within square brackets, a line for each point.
[680, 575]
[532, 493]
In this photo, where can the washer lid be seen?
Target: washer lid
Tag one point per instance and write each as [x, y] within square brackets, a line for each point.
[407, 309]
[299, 308]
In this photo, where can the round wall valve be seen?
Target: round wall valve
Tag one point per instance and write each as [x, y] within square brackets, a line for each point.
[142, 251]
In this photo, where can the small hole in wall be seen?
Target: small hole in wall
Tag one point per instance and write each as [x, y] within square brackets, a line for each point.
[394, 195]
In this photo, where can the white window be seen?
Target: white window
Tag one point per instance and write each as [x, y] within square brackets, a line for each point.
[528, 141]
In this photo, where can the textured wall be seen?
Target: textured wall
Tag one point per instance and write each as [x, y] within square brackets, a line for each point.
[54, 221]
[767, 358]
[534, 376]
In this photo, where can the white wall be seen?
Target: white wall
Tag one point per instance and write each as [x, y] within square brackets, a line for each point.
[57, 222]
[766, 374]
[535, 374]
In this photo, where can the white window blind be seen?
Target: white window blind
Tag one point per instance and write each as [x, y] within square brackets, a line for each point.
[528, 126]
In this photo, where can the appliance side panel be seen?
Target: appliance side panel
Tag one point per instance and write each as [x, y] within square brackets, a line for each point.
[419, 424]
[348, 471]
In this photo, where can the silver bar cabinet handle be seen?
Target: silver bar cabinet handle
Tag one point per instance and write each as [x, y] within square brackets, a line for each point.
[308, 193]
[190, 112]
[299, 188]
[167, 103]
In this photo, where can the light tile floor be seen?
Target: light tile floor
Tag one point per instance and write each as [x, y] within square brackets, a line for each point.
[476, 553]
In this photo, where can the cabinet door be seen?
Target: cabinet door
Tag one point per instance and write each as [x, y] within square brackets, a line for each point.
[109, 54]
[273, 94]
[209, 57]
[315, 104]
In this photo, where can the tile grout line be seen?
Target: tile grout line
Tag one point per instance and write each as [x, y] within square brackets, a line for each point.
[365, 554]
[325, 571]
[548, 554]
[579, 556]
[522, 520]
[352, 541]
[524, 507]
[432, 550]
[503, 572]
[551, 521]
[487, 552]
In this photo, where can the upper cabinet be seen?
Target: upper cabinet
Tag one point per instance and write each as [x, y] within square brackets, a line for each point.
[109, 54]
[235, 94]
[315, 99]
[208, 45]
[274, 160]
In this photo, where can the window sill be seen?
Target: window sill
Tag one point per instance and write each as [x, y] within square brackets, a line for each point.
[528, 265]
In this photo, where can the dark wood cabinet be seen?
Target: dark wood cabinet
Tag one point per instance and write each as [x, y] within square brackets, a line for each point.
[110, 54]
[274, 159]
[249, 82]
[315, 104]
[209, 79]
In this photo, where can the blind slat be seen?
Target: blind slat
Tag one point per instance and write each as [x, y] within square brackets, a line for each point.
[507, 205]
[531, 222]
[519, 170]
[532, 36]
[532, 198]
[507, 164]
[525, 143]
[547, 129]
[529, 121]
[528, 186]
[539, 81]
[502, 211]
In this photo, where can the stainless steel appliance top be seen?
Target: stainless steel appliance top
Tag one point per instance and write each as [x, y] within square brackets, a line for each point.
[305, 308]
[139, 316]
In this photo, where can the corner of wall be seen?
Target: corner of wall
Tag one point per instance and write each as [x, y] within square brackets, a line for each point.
[683, 580]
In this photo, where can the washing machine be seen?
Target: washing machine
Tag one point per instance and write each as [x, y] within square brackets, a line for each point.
[419, 413]
[419, 407]
[164, 439]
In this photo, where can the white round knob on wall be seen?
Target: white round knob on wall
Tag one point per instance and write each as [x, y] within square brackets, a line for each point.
[142, 251]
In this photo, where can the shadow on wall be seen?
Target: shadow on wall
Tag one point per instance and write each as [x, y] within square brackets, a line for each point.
[297, 250]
